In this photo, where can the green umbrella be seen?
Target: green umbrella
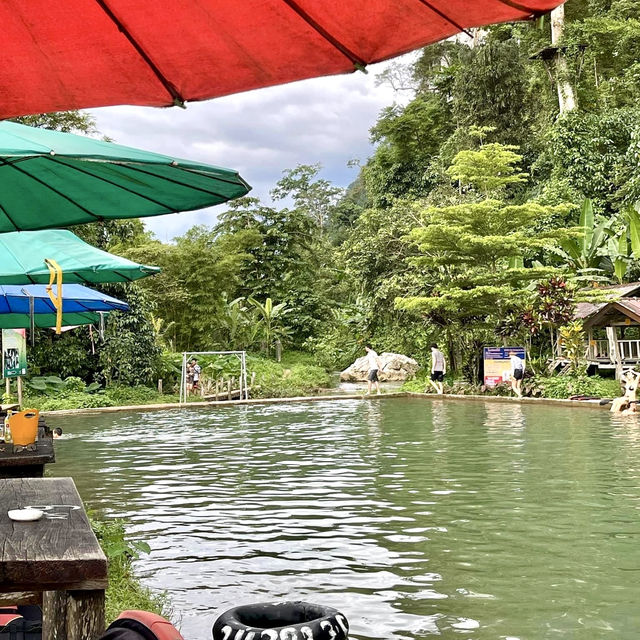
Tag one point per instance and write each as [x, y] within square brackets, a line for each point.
[22, 256]
[52, 179]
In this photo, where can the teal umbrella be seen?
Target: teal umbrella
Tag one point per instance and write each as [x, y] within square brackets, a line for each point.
[23, 255]
[51, 179]
[48, 320]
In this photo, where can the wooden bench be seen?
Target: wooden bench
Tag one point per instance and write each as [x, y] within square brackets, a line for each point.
[57, 556]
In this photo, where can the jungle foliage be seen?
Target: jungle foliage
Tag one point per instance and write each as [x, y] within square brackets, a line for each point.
[479, 204]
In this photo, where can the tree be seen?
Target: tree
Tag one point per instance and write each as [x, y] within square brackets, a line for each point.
[408, 139]
[313, 196]
[199, 273]
[66, 121]
[291, 262]
[479, 253]
[566, 96]
[130, 353]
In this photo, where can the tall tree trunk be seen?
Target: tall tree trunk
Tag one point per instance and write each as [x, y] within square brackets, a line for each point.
[566, 96]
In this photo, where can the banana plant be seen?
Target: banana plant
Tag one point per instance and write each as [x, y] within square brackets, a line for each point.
[618, 252]
[632, 216]
[623, 244]
[270, 318]
[583, 252]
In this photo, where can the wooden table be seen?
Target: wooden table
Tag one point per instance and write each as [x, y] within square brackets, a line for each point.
[28, 464]
[57, 555]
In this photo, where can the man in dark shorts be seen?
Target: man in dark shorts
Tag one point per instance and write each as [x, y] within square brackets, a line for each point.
[373, 362]
[438, 369]
[517, 373]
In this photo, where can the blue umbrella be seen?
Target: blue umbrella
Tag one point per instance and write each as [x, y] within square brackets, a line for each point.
[28, 306]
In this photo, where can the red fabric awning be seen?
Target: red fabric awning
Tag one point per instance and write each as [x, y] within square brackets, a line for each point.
[68, 54]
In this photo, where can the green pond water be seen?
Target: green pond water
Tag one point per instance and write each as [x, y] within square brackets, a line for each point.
[416, 518]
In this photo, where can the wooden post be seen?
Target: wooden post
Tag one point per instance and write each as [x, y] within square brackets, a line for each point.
[614, 351]
[85, 615]
[160, 386]
[229, 389]
[73, 615]
[20, 391]
[54, 615]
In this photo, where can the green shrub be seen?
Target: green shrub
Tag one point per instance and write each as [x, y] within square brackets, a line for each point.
[123, 396]
[567, 386]
[72, 383]
[67, 400]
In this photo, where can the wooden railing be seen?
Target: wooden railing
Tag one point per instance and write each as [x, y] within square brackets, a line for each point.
[629, 350]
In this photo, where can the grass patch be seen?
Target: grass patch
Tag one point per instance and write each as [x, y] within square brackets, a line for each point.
[294, 376]
[125, 591]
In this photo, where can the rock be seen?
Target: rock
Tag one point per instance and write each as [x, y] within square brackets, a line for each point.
[395, 366]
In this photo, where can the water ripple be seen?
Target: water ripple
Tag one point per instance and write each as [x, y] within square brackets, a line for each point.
[416, 518]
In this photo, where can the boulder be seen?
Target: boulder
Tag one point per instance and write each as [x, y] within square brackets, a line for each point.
[395, 366]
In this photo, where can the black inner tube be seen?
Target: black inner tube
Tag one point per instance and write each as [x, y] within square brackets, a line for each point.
[281, 621]
[272, 616]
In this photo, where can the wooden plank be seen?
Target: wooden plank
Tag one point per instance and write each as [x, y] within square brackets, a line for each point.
[22, 597]
[58, 552]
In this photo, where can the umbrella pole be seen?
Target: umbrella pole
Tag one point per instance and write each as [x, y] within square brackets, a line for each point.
[32, 321]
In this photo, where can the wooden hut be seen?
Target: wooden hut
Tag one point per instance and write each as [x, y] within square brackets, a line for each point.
[613, 328]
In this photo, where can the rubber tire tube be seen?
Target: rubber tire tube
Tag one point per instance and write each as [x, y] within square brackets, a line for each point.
[281, 621]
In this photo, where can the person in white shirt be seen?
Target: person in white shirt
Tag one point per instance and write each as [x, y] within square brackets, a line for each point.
[373, 361]
[438, 369]
[517, 373]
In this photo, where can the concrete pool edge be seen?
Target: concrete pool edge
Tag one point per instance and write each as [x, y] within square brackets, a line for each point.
[400, 394]
[594, 404]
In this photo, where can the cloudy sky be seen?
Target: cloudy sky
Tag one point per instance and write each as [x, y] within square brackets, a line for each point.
[259, 133]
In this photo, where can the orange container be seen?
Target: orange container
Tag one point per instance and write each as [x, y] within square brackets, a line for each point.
[24, 426]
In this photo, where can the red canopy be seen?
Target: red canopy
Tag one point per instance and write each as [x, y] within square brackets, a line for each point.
[67, 54]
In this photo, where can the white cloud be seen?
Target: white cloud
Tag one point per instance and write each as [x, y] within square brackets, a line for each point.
[259, 133]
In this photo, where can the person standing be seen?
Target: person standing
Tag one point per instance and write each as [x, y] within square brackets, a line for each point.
[438, 369]
[189, 375]
[195, 369]
[517, 373]
[373, 362]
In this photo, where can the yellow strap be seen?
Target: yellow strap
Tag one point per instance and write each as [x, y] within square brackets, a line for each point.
[55, 273]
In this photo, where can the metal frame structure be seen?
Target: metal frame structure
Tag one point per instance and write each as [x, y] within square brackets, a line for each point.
[241, 355]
